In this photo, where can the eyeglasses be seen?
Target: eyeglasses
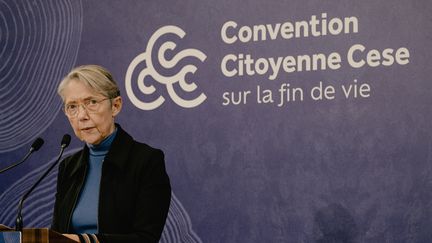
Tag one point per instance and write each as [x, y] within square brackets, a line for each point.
[90, 105]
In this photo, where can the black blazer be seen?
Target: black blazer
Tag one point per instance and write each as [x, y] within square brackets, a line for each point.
[134, 195]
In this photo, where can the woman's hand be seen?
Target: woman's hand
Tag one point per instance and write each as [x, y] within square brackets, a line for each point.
[72, 237]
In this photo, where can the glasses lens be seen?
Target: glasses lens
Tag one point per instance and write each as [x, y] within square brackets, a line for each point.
[71, 109]
[92, 105]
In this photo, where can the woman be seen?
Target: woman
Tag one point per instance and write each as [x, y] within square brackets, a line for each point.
[115, 189]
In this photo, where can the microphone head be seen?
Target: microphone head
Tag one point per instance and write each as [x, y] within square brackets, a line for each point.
[37, 144]
[65, 140]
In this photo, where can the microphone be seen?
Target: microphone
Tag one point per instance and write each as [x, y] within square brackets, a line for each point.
[19, 220]
[65, 141]
[34, 147]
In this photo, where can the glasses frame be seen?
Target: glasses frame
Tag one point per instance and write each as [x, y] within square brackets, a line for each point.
[84, 106]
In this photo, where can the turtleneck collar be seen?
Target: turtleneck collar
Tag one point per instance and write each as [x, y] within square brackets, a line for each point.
[103, 147]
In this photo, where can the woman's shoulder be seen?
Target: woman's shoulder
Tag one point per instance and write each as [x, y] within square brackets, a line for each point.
[73, 161]
[135, 147]
[146, 153]
[140, 146]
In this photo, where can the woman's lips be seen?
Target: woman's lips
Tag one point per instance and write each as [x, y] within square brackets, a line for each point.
[87, 129]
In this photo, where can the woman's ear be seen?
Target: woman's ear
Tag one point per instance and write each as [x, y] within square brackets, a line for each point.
[117, 103]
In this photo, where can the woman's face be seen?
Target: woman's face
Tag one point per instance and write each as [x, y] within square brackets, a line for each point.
[91, 127]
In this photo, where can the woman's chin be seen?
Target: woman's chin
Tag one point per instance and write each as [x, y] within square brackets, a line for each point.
[93, 140]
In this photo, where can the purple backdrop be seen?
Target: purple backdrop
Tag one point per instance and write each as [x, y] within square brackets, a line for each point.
[354, 169]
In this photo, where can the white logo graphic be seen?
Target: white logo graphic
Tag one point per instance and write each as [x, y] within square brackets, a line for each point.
[168, 81]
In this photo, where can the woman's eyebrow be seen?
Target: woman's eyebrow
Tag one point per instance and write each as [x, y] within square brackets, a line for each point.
[83, 99]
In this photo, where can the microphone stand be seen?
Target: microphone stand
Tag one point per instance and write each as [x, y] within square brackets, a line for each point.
[19, 219]
[21, 161]
[35, 147]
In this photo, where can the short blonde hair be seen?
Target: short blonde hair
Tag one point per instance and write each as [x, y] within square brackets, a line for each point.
[96, 77]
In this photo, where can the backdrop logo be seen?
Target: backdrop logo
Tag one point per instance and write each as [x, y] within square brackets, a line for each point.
[168, 81]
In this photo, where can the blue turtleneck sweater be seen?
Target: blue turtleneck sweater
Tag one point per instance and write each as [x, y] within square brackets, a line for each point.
[85, 215]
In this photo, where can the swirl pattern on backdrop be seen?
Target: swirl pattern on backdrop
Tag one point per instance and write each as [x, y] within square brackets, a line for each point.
[38, 208]
[39, 42]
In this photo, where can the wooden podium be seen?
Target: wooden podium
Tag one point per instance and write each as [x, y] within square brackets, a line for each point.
[35, 235]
